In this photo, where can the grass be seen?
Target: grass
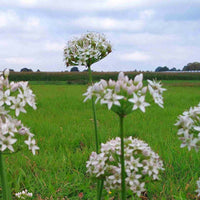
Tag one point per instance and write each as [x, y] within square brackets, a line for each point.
[64, 132]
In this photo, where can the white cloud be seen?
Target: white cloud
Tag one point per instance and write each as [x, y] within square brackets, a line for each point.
[92, 5]
[135, 56]
[54, 46]
[146, 14]
[10, 19]
[102, 23]
[7, 18]
[143, 33]
[19, 60]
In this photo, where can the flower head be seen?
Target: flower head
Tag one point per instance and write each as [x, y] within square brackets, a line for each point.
[86, 50]
[141, 164]
[23, 194]
[189, 128]
[14, 96]
[125, 95]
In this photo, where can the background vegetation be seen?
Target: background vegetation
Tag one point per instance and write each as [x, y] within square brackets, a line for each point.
[82, 77]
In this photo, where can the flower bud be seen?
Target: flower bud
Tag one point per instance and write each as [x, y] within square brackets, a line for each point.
[104, 83]
[111, 83]
[121, 76]
[22, 131]
[144, 90]
[14, 86]
[6, 72]
[117, 87]
[138, 78]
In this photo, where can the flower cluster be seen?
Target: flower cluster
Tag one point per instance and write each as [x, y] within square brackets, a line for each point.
[140, 163]
[189, 128]
[24, 194]
[14, 96]
[198, 188]
[125, 95]
[86, 50]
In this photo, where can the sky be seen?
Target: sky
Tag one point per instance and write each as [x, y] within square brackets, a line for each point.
[144, 34]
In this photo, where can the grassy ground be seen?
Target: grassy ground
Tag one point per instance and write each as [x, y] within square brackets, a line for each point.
[64, 131]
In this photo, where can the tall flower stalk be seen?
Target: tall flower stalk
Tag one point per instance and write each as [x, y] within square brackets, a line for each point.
[123, 176]
[13, 96]
[123, 97]
[86, 50]
[94, 113]
[5, 191]
[189, 129]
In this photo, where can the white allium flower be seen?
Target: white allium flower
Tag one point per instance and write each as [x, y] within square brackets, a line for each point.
[31, 145]
[125, 95]
[6, 72]
[5, 97]
[139, 102]
[86, 50]
[23, 194]
[189, 128]
[7, 142]
[141, 163]
[14, 96]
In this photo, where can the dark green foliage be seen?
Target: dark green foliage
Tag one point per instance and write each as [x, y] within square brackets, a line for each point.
[192, 66]
[82, 77]
[162, 69]
[74, 69]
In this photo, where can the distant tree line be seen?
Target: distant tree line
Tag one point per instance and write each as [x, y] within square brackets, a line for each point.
[195, 66]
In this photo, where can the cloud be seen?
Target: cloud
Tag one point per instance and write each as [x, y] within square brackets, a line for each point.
[143, 33]
[135, 56]
[93, 5]
[19, 60]
[54, 46]
[9, 19]
[110, 24]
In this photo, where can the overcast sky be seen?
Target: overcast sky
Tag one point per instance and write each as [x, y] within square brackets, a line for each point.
[144, 33]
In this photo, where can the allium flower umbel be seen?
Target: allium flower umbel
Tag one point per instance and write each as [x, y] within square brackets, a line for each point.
[14, 96]
[23, 194]
[189, 128]
[125, 95]
[198, 188]
[141, 164]
[86, 50]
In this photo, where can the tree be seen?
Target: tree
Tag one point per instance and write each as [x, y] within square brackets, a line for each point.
[26, 70]
[74, 69]
[162, 69]
[192, 66]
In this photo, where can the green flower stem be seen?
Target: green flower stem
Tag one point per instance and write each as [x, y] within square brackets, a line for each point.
[5, 189]
[94, 113]
[100, 189]
[123, 186]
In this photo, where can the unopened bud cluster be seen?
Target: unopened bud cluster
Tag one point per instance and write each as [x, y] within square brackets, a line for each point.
[86, 50]
[189, 128]
[125, 95]
[141, 164]
[14, 96]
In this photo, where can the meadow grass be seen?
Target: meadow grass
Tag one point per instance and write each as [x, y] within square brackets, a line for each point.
[65, 134]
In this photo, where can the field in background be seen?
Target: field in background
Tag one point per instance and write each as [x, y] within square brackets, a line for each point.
[82, 77]
[64, 132]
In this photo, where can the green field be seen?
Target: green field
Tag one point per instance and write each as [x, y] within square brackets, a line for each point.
[65, 134]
